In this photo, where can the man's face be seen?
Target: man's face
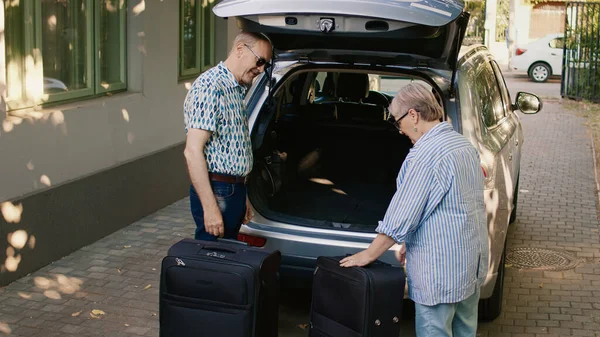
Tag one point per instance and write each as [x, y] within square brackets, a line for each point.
[397, 118]
[404, 121]
[254, 60]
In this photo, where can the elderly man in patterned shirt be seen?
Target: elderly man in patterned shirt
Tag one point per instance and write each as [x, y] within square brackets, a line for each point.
[438, 213]
[218, 150]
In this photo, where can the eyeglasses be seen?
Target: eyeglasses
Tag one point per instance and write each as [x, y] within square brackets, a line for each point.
[395, 122]
[260, 61]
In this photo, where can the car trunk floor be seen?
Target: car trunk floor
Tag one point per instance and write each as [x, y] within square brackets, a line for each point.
[343, 204]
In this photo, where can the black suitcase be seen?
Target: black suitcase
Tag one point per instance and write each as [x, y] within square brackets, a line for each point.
[356, 302]
[219, 290]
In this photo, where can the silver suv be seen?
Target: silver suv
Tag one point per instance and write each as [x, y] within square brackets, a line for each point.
[326, 159]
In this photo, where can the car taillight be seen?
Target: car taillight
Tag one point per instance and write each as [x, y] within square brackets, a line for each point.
[520, 51]
[254, 241]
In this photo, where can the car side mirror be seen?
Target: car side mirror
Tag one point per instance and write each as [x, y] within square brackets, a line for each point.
[528, 103]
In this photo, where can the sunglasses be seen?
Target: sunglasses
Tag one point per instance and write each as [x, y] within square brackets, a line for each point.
[395, 122]
[259, 60]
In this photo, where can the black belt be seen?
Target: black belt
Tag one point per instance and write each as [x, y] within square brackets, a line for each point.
[223, 178]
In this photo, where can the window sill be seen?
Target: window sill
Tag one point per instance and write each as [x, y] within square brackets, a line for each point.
[50, 108]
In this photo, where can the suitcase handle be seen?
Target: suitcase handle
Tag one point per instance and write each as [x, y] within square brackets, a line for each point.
[376, 262]
[231, 241]
[220, 249]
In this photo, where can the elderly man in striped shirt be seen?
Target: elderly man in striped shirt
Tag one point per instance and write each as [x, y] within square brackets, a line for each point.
[438, 213]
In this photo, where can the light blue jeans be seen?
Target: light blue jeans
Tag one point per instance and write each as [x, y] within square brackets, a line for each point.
[448, 319]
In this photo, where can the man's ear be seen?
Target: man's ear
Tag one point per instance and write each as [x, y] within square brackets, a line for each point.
[239, 49]
[414, 115]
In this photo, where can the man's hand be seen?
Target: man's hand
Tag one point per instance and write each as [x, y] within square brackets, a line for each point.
[379, 246]
[213, 222]
[249, 213]
[357, 260]
[401, 254]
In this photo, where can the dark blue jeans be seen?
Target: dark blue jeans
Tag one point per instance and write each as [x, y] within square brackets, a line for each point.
[231, 199]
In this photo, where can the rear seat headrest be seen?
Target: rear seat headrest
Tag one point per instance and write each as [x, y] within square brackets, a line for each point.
[353, 86]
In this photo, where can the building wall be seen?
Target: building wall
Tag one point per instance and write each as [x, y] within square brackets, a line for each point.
[74, 173]
[547, 18]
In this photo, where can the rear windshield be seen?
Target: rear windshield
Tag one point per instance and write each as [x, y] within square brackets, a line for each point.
[324, 87]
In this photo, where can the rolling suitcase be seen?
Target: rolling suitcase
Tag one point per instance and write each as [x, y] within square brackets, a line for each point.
[219, 290]
[356, 302]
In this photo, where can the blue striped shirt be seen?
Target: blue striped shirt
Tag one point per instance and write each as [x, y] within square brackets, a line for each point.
[438, 211]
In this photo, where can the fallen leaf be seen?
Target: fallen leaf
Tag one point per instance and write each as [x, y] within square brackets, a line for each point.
[98, 312]
[542, 285]
[153, 268]
[128, 246]
[147, 287]
[126, 324]
[94, 316]
[119, 270]
[75, 314]
[303, 326]
[153, 314]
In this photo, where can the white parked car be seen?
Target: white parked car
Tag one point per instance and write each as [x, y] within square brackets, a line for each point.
[540, 58]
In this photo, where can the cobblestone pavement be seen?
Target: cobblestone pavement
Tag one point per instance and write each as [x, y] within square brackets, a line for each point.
[110, 288]
[557, 210]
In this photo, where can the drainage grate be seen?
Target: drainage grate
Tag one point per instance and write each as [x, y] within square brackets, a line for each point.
[540, 259]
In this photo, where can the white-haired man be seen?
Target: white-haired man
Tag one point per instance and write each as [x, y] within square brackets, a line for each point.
[438, 213]
[218, 150]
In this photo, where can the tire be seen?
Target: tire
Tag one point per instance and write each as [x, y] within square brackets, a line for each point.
[513, 214]
[540, 72]
[490, 308]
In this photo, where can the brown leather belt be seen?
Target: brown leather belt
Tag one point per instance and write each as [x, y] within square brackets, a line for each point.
[226, 178]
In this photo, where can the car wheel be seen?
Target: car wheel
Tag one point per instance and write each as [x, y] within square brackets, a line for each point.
[490, 308]
[540, 72]
[513, 214]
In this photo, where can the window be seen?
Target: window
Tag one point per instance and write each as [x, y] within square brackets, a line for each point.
[486, 87]
[197, 37]
[558, 43]
[59, 50]
[503, 88]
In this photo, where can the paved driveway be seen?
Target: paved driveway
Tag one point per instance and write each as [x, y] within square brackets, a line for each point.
[557, 210]
[520, 82]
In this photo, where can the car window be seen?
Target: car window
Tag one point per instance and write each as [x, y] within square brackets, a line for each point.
[504, 93]
[488, 93]
[324, 87]
[320, 83]
[558, 43]
[391, 84]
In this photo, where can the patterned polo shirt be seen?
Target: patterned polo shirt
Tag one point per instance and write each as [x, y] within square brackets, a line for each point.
[215, 103]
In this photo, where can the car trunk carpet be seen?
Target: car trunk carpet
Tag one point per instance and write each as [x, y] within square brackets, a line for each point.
[341, 204]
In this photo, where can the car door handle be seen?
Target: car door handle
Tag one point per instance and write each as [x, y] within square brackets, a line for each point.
[553, 54]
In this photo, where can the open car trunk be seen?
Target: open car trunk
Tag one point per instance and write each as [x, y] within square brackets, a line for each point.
[332, 161]
[329, 164]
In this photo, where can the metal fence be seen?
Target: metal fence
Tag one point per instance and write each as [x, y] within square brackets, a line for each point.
[581, 52]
